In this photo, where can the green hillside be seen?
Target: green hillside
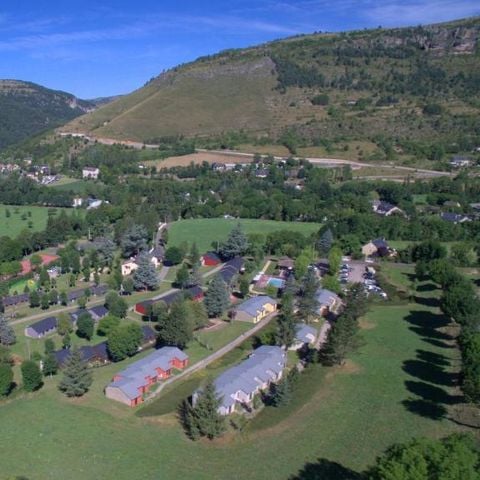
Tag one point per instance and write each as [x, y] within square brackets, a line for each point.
[27, 109]
[393, 87]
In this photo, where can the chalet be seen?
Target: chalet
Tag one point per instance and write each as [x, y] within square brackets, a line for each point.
[157, 254]
[327, 301]
[92, 354]
[385, 209]
[304, 335]
[231, 269]
[195, 293]
[261, 173]
[42, 328]
[255, 309]
[210, 259]
[129, 385]
[459, 161]
[149, 336]
[378, 247]
[75, 295]
[285, 264]
[74, 316]
[12, 300]
[238, 385]
[129, 266]
[99, 290]
[98, 312]
[91, 173]
[455, 217]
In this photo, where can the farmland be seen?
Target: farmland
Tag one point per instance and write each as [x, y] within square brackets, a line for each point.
[206, 231]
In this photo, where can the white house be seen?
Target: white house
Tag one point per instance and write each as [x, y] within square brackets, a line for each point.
[91, 173]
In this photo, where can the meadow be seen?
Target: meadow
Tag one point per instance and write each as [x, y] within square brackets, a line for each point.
[207, 231]
[20, 218]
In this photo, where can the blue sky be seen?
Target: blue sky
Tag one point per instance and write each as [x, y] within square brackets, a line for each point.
[99, 48]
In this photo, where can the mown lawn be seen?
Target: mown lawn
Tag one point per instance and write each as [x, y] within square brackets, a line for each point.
[14, 219]
[398, 385]
[206, 231]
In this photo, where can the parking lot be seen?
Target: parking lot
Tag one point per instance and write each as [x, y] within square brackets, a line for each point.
[357, 272]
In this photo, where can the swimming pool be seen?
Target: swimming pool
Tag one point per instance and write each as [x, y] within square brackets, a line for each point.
[276, 282]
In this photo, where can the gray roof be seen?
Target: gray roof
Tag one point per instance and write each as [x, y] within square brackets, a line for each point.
[263, 365]
[255, 305]
[99, 311]
[326, 297]
[45, 325]
[133, 377]
[302, 332]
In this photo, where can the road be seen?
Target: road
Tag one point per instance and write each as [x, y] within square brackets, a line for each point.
[214, 356]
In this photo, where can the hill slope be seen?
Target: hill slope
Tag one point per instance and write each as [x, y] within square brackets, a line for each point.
[412, 83]
[27, 109]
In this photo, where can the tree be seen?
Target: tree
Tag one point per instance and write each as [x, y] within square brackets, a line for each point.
[124, 340]
[177, 328]
[281, 393]
[428, 250]
[197, 313]
[308, 303]
[217, 297]
[77, 377]
[331, 283]
[7, 334]
[50, 364]
[44, 278]
[49, 346]
[66, 341]
[244, 286]
[53, 297]
[34, 299]
[134, 241]
[64, 324]
[31, 376]
[107, 324]
[145, 276]
[194, 255]
[204, 418]
[6, 379]
[182, 279]
[285, 335]
[340, 341]
[236, 243]
[455, 457]
[173, 255]
[325, 242]
[85, 326]
[45, 301]
[334, 260]
[63, 298]
[128, 286]
[116, 305]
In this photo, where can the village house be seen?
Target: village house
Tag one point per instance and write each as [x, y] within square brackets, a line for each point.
[327, 302]
[98, 312]
[304, 335]
[92, 354]
[129, 385]
[90, 173]
[286, 264]
[385, 209]
[455, 217]
[459, 161]
[42, 328]
[210, 259]
[130, 265]
[238, 385]
[231, 269]
[255, 309]
[378, 247]
[195, 293]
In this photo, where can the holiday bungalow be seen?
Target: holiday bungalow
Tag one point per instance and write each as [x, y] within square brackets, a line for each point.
[378, 247]
[304, 335]
[286, 264]
[385, 209]
[99, 290]
[327, 302]
[455, 217]
[42, 327]
[90, 173]
[92, 354]
[255, 309]
[195, 293]
[210, 259]
[97, 313]
[129, 385]
[12, 300]
[238, 385]
[231, 269]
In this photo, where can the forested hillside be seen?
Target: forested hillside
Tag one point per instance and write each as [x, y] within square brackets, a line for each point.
[27, 109]
[403, 89]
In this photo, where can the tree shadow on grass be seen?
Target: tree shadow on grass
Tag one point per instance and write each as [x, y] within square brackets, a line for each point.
[425, 408]
[427, 301]
[438, 343]
[431, 393]
[429, 372]
[427, 287]
[426, 324]
[432, 357]
[326, 470]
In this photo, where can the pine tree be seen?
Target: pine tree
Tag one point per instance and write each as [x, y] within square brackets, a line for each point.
[196, 276]
[325, 243]
[134, 241]
[77, 377]
[187, 419]
[217, 297]
[194, 255]
[308, 303]
[85, 326]
[281, 393]
[182, 279]
[66, 340]
[45, 302]
[49, 346]
[340, 341]
[34, 299]
[176, 329]
[285, 335]
[236, 243]
[31, 376]
[7, 334]
[205, 417]
[50, 364]
[6, 379]
[145, 276]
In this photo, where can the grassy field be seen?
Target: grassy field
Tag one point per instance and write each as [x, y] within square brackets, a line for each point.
[20, 218]
[206, 231]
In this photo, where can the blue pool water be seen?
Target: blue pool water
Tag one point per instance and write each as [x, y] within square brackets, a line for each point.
[276, 282]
